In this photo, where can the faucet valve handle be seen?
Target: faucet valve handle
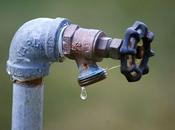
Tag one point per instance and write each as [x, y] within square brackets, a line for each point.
[131, 50]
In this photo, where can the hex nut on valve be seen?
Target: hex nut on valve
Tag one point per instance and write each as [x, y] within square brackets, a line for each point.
[108, 47]
[67, 39]
[114, 48]
[102, 47]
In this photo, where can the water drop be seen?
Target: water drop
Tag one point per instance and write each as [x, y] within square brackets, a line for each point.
[83, 94]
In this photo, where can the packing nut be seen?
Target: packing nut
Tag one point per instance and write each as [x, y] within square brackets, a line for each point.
[114, 48]
[108, 47]
[102, 47]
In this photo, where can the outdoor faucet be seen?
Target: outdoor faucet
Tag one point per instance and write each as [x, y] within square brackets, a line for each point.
[88, 46]
[40, 42]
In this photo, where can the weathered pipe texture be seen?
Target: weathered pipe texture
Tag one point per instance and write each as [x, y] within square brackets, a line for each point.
[27, 109]
[34, 47]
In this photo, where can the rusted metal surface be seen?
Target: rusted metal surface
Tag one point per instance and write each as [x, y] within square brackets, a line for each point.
[83, 42]
[90, 44]
[33, 82]
[67, 38]
[86, 47]
[80, 42]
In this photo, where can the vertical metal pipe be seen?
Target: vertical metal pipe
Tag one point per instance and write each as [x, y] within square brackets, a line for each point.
[27, 111]
[35, 45]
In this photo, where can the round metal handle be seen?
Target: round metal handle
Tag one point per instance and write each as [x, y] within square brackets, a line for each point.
[130, 50]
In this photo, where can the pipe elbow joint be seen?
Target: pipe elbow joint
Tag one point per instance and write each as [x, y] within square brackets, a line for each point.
[36, 45]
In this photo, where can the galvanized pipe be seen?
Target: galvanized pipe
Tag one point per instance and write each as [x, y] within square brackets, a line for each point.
[35, 46]
[27, 110]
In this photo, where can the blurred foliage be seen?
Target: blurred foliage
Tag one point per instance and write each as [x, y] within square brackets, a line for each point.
[113, 103]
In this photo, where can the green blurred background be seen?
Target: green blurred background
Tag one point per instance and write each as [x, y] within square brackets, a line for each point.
[113, 104]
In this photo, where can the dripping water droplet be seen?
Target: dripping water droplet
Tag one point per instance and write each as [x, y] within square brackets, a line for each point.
[83, 94]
